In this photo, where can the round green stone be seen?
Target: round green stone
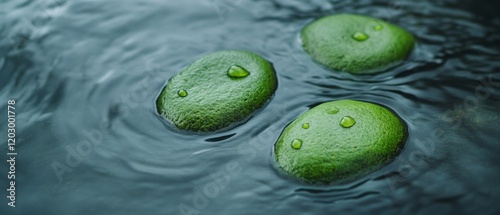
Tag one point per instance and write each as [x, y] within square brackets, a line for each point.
[359, 138]
[356, 43]
[218, 90]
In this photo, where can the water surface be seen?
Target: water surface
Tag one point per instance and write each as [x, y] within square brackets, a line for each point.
[91, 70]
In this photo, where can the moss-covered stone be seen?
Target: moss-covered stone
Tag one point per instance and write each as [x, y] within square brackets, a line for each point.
[356, 43]
[217, 90]
[339, 141]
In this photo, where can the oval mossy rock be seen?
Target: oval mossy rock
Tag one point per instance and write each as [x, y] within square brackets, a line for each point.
[356, 43]
[339, 141]
[217, 90]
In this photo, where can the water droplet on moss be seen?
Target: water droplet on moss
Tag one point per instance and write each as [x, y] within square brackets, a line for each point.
[296, 144]
[237, 72]
[305, 125]
[347, 122]
[182, 93]
[333, 110]
[379, 27]
[359, 36]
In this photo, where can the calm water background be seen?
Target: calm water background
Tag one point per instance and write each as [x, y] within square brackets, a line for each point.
[85, 76]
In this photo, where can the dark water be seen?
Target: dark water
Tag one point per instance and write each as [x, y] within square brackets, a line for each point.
[85, 76]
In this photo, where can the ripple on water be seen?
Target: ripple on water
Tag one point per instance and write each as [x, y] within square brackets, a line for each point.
[96, 67]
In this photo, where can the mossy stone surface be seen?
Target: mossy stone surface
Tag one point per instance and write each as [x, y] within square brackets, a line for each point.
[339, 141]
[355, 43]
[218, 90]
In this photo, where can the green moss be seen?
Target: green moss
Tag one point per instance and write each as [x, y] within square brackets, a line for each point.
[355, 43]
[217, 90]
[345, 139]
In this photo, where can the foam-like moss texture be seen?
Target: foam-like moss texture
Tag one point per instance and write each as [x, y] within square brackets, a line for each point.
[339, 141]
[356, 43]
[217, 90]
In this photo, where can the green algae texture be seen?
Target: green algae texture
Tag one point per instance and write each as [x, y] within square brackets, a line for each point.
[356, 44]
[344, 140]
[217, 91]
